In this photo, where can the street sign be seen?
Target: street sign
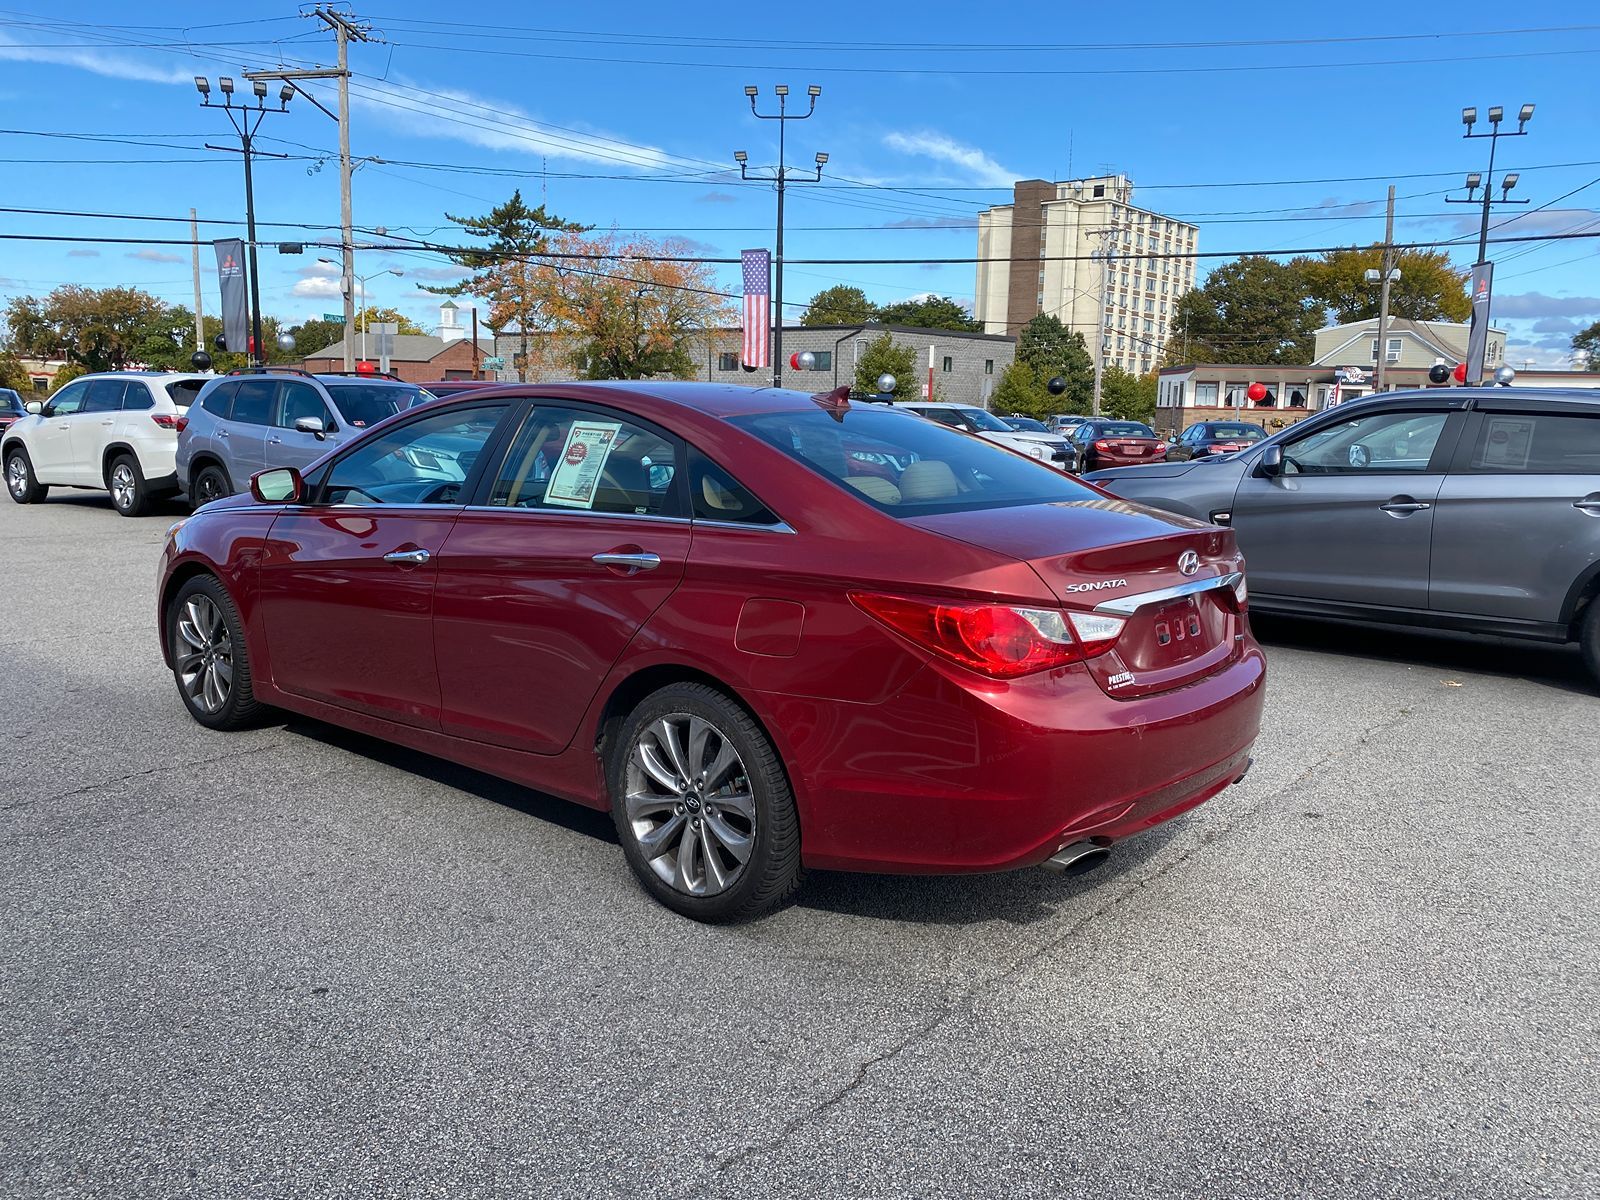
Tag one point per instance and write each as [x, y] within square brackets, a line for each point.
[334, 318]
[493, 364]
[385, 331]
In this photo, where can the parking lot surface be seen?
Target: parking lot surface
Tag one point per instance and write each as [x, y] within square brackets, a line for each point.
[297, 961]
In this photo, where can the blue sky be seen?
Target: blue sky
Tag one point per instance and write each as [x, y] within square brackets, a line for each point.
[627, 114]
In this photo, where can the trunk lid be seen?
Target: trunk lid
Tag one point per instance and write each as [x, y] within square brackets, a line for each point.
[1124, 560]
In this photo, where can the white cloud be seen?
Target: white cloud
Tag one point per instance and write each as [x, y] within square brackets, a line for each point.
[83, 254]
[977, 165]
[156, 256]
[498, 125]
[112, 66]
[317, 267]
[318, 285]
[1525, 305]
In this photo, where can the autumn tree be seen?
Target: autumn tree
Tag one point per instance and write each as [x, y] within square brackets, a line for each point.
[929, 312]
[100, 329]
[840, 305]
[378, 316]
[626, 310]
[502, 271]
[882, 356]
[1430, 288]
[1586, 348]
[1251, 310]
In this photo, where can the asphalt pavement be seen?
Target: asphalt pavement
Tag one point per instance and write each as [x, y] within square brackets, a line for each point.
[297, 961]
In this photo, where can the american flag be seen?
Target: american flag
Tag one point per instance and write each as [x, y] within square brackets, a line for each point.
[757, 307]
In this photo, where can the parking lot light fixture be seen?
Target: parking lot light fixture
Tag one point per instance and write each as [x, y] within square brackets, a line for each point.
[259, 86]
[1473, 180]
[1524, 115]
[285, 94]
[813, 91]
[202, 85]
[225, 83]
[1469, 117]
[739, 156]
[1509, 181]
[751, 90]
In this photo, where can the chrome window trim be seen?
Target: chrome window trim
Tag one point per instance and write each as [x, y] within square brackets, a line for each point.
[1126, 606]
[559, 511]
[779, 527]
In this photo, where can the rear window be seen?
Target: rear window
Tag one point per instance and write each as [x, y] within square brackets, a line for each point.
[1236, 433]
[1124, 429]
[908, 467]
[183, 391]
[364, 404]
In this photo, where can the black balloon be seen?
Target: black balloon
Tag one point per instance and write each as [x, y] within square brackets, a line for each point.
[1438, 373]
[220, 341]
[1056, 386]
[200, 360]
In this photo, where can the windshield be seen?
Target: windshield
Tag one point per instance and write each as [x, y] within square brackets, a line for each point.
[1026, 425]
[11, 402]
[1124, 429]
[908, 467]
[1236, 433]
[985, 421]
[364, 404]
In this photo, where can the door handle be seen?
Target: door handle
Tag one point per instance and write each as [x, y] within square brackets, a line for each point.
[222, 433]
[274, 441]
[1589, 504]
[108, 424]
[639, 560]
[417, 556]
[1405, 506]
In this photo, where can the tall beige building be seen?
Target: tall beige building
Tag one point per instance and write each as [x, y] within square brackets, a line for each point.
[1037, 258]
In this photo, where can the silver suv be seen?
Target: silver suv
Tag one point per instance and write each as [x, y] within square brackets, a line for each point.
[277, 417]
[1474, 509]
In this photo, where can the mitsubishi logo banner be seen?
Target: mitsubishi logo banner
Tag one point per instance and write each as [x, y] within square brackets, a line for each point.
[1478, 338]
[230, 278]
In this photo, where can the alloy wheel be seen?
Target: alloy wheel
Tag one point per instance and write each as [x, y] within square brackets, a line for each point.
[122, 485]
[207, 488]
[690, 805]
[17, 476]
[204, 654]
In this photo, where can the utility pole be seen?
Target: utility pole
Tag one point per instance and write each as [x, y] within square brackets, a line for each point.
[782, 117]
[1389, 273]
[199, 321]
[1106, 254]
[475, 347]
[344, 28]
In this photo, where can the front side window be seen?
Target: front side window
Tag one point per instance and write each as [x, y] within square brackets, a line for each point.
[1537, 444]
[105, 395]
[578, 460]
[69, 399]
[910, 468]
[1383, 442]
[296, 400]
[424, 462]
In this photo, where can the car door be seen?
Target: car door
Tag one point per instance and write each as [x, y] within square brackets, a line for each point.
[286, 446]
[1183, 448]
[93, 429]
[50, 442]
[1518, 518]
[1350, 518]
[244, 434]
[579, 536]
[347, 579]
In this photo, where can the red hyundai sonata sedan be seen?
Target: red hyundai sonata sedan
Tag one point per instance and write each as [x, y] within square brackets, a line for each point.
[766, 631]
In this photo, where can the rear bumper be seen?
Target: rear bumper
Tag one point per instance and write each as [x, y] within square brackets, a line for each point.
[958, 775]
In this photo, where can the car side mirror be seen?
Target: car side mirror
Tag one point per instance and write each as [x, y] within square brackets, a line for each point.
[280, 485]
[34, 407]
[1271, 464]
[311, 425]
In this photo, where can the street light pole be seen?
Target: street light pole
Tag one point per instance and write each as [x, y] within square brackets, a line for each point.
[1386, 274]
[781, 176]
[361, 282]
[1482, 270]
[245, 125]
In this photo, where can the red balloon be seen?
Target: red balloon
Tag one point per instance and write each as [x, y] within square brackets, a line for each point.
[1256, 391]
[365, 368]
[794, 361]
[1461, 372]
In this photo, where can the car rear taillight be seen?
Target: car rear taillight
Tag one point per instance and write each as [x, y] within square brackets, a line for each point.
[169, 421]
[996, 640]
[1102, 445]
[1161, 448]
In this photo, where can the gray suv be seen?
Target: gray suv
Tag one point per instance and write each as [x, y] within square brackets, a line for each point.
[277, 417]
[1473, 509]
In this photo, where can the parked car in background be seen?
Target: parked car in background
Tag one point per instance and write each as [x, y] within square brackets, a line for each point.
[1064, 423]
[114, 432]
[12, 408]
[1046, 447]
[690, 605]
[250, 420]
[1474, 509]
[454, 387]
[1021, 424]
[1213, 437]
[1103, 442]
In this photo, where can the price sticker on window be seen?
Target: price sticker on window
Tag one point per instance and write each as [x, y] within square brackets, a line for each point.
[576, 476]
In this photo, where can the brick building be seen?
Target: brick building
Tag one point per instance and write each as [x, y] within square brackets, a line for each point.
[416, 358]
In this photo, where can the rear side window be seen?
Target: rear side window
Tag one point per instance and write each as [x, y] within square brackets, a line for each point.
[907, 467]
[1537, 444]
[252, 403]
[137, 398]
[219, 400]
[716, 495]
[105, 395]
[578, 460]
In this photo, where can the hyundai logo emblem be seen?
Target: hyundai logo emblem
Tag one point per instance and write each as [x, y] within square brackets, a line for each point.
[1188, 562]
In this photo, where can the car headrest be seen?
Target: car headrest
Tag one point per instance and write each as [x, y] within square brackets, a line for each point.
[928, 479]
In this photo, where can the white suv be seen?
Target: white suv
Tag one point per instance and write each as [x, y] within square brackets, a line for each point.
[117, 432]
[1049, 448]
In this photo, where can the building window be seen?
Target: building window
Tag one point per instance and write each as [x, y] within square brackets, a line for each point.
[948, 362]
[1099, 191]
[988, 366]
[824, 360]
[1394, 350]
[1205, 395]
[727, 361]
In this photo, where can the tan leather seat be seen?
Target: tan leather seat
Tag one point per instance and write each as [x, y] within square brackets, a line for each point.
[875, 487]
[929, 479]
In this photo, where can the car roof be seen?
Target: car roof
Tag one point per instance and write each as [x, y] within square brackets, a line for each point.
[143, 375]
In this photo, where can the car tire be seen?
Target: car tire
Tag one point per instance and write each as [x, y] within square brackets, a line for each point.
[695, 783]
[21, 482]
[210, 484]
[1589, 638]
[130, 495]
[210, 660]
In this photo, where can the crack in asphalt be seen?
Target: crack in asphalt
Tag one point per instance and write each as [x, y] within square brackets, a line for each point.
[166, 766]
[966, 1000]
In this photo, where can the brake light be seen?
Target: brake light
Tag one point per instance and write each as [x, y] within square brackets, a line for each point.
[996, 640]
[1102, 445]
[1161, 447]
[166, 420]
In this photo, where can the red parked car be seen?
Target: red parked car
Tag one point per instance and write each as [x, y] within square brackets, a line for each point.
[766, 631]
[1098, 443]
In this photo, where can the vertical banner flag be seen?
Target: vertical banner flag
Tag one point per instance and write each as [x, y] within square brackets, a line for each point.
[757, 307]
[230, 278]
[1478, 338]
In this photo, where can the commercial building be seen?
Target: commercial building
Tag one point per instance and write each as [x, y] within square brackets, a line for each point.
[965, 366]
[416, 358]
[1081, 251]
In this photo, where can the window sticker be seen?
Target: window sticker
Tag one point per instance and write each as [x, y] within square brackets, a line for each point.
[576, 476]
[1507, 441]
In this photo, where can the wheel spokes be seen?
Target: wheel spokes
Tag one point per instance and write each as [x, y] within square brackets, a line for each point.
[662, 838]
[734, 842]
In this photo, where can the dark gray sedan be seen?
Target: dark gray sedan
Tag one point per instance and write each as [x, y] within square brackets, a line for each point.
[1474, 509]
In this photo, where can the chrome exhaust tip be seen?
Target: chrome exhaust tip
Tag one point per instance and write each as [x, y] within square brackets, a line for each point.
[1077, 859]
